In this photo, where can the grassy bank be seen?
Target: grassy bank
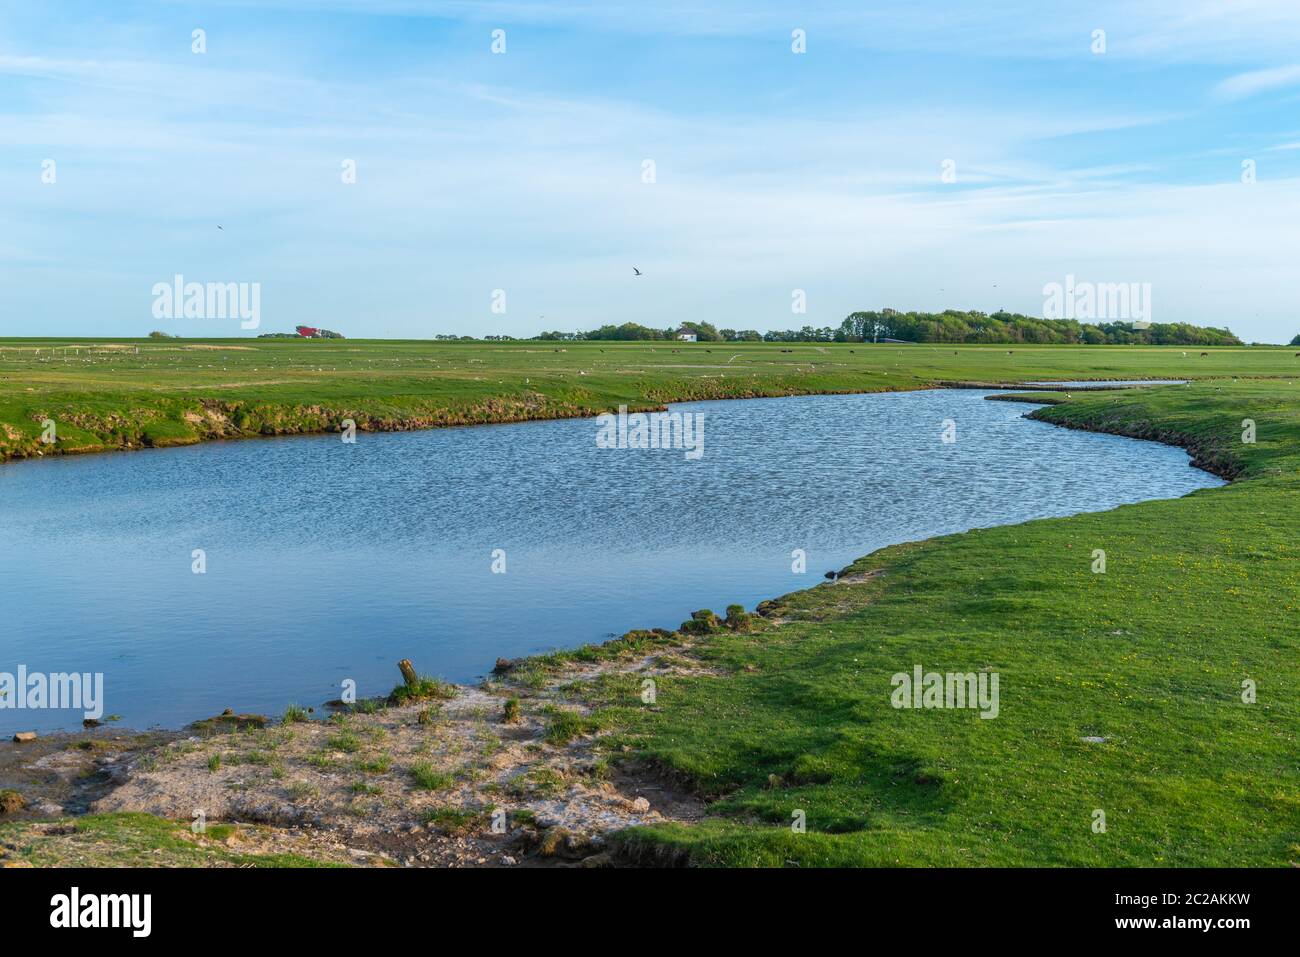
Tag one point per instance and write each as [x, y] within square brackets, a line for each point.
[142, 840]
[1120, 692]
[113, 394]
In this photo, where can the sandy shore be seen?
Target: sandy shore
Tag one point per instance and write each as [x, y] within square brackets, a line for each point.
[459, 778]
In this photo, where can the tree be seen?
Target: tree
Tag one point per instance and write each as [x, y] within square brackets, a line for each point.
[951, 325]
[628, 331]
[704, 331]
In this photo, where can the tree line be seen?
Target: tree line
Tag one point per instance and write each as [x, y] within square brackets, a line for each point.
[951, 325]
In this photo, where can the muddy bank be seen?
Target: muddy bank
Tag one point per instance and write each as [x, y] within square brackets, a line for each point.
[509, 773]
[65, 773]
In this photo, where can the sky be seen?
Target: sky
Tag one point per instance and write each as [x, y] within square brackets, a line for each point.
[916, 155]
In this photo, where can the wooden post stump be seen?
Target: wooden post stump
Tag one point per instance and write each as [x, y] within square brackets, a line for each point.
[408, 673]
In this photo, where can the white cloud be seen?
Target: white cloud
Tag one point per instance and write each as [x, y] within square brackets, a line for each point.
[465, 186]
[1254, 82]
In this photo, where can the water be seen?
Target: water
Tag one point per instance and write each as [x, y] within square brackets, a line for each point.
[328, 561]
[1109, 383]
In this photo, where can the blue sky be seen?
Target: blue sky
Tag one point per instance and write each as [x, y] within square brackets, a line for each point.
[522, 171]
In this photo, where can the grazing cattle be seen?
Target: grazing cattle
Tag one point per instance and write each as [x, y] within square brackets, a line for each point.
[1204, 353]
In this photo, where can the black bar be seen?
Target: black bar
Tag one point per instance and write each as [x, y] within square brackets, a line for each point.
[334, 907]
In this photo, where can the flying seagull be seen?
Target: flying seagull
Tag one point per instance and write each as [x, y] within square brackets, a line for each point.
[220, 227]
[636, 271]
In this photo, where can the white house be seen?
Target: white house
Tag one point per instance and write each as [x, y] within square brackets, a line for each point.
[685, 335]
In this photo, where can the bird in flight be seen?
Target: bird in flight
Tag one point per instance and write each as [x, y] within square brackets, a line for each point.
[220, 227]
[636, 271]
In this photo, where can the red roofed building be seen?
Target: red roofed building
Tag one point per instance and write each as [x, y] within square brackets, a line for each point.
[307, 332]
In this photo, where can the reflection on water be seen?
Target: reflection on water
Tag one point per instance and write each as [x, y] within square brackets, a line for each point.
[328, 561]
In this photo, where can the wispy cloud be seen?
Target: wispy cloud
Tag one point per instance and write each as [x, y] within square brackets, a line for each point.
[1254, 82]
[523, 172]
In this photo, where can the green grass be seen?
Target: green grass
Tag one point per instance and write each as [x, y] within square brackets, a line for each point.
[424, 689]
[426, 778]
[564, 726]
[104, 394]
[457, 821]
[541, 782]
[1199, 595]
[130, 840]
[344, 741]
[377, 765]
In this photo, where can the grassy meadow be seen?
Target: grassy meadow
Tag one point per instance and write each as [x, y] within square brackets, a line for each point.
[1120, 692]
[127, 393]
